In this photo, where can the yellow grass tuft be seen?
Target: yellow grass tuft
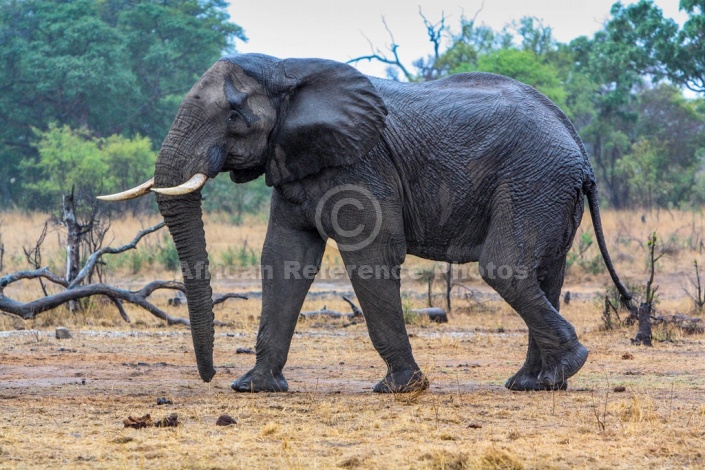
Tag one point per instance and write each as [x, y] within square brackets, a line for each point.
[270, 428]
[494, 458]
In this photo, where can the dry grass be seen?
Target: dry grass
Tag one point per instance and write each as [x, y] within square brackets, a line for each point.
[330, 418]
[682, 234]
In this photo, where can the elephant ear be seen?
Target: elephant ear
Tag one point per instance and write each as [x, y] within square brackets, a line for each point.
[330, 115]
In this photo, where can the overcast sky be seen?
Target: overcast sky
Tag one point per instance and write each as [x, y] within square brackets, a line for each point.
[340, 29]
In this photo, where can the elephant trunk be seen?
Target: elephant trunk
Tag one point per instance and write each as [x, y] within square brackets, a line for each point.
[182, 215]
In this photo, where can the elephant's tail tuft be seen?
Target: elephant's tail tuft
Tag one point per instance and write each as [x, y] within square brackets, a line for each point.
[590, 189]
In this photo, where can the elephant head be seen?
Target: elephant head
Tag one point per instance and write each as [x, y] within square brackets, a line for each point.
[252, 114]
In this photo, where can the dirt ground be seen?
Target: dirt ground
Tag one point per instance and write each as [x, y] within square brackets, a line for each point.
[64, 401]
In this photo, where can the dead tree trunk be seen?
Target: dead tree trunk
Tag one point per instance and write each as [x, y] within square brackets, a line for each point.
[449, 285]
[643, 335]
[73, 237]
[73, 242]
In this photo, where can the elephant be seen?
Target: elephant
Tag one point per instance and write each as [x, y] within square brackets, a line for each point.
[474, 167]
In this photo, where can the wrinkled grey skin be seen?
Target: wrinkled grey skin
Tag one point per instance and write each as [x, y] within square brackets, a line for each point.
[474, 167]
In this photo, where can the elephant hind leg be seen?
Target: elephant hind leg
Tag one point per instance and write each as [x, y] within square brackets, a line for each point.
[526, 378]
[551, 338]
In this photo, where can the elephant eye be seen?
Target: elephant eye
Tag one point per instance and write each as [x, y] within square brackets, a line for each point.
[237, 114]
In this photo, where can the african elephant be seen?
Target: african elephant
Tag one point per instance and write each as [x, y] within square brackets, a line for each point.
[472, 167]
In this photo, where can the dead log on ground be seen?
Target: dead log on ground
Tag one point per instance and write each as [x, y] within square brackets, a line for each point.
[326, 313]
[689, 325]
[434, 314]
[74, 291]
[356, 311]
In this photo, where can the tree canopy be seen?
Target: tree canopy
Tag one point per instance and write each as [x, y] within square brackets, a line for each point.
[106, 67]
[88, 89]
[623, 89]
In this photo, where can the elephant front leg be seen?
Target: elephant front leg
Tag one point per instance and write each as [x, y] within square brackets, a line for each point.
[290, 261]
[377, 289]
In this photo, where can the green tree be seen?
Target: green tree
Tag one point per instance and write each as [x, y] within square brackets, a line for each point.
[663, 163]
[222, 195]
[607, 132]
[657, 46]
[524, 66]
[687, 63]
[71, 158]
[636, 125]
[645, 140]
[107, 66]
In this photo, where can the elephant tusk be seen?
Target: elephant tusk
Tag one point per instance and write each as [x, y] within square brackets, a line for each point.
[137, 191]
[194, 184]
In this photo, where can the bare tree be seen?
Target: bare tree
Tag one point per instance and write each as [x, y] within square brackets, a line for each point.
[33, 255]
[448, 276]
[2, 252]
[380, 56]
[428, 69]
[643, 313]
[698, 297]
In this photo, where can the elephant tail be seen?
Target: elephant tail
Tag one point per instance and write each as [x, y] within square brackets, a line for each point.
[590, 189]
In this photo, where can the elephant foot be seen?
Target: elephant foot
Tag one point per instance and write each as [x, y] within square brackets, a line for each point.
[524, 381]
[402, 381]
[261, 381]
[557, 368]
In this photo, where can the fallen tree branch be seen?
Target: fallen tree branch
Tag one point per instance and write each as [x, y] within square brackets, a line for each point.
[222, 298]
[434, 314]
[121, 309]
[93, 259]
[147, 290]
[690, 325]
[29, 310]
[356, 310]
[34, 274]
[328, 313]
[74, 291]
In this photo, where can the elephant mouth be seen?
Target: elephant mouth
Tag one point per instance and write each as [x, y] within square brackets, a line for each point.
[246, 174]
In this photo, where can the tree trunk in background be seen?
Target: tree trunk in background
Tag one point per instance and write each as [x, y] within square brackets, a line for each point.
[73, 242]
[449, 285]
[643, 336]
